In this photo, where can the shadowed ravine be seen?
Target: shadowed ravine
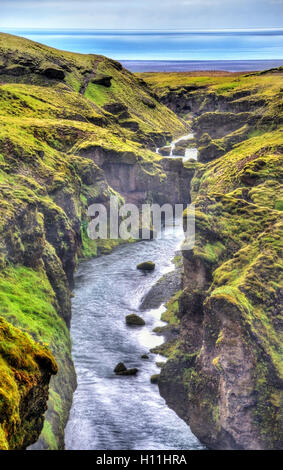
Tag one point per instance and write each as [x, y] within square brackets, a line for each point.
[112, 412]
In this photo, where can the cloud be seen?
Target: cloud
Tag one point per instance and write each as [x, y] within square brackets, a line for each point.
[141, 14]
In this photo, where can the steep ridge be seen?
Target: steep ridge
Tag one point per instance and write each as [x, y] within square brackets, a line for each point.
[224, 373]
[75, 129]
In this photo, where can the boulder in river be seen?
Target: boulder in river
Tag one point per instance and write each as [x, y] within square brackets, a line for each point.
[144, 356]
[121, 369]
[146, 266]
[134, 319]
[133, 371]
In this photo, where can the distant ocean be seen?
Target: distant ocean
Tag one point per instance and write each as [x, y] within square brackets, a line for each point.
[145, 50]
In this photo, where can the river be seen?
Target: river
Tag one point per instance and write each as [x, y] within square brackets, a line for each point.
[112, 412]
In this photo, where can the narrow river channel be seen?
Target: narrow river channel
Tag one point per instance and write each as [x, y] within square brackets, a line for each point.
[116, 412]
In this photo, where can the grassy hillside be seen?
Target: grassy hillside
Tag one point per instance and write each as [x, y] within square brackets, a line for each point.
[57, 110]
[227, 364]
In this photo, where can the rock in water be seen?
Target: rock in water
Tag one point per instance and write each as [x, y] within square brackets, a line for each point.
[146, 266]
[129, 371]
[144, 356]
[120, 368]
[134, 319]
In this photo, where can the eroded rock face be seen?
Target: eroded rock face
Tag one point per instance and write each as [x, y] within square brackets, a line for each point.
[55, 73]
[104, 80]
[224, 377]
[165, 151]
[148, 102]
[47, 187]
[167, 182]
[221, 382]
[25, 369]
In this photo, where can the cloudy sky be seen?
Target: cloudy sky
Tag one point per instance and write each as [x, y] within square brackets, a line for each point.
[141, 14]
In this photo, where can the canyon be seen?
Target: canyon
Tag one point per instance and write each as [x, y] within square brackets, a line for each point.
[224, 373]
[76, 129]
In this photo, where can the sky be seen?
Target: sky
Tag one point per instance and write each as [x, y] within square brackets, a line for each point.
[141, 14]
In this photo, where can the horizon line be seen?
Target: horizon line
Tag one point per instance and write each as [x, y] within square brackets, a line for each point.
[142, 29]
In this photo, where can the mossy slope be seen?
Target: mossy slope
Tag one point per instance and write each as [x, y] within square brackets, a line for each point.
[227, 365]
[25, 370]
[58, 109]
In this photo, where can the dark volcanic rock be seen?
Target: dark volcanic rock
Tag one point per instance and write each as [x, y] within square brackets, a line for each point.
[144, 356]
[146, 266]
[55, 73]
[118, 109]
[179, 150]
[104, 80]
[134, 319]
[120, 368]
[14, 70]
[132, 125]
[165, 151]
[133, 371]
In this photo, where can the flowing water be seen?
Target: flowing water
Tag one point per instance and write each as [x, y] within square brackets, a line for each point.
[118, 412]
[114, 412]
[189, 153]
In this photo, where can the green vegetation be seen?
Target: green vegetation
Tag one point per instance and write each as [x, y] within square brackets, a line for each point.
[60, 120]
[233, 277]
[21, 364]
[27, 300]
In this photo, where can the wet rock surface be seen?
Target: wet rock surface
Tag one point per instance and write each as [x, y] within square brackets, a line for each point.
[134, 319]
[121, 369]
[163, 290]
[146, 266]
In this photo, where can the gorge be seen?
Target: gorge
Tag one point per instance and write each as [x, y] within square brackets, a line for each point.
[76, 129]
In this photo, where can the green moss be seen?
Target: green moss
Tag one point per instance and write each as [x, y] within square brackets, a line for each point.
[49, 133]
[237, 258]
[21, 364]
[89, 246]
[167, 349]
[48, 435]
[211, 252]
[172, 308]
[27, 300]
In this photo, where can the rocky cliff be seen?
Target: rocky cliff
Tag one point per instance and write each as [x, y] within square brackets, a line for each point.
[224, 373]
[75, 129]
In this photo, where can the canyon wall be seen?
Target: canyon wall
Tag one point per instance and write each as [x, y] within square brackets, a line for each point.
[75, 129]
[224, 372]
